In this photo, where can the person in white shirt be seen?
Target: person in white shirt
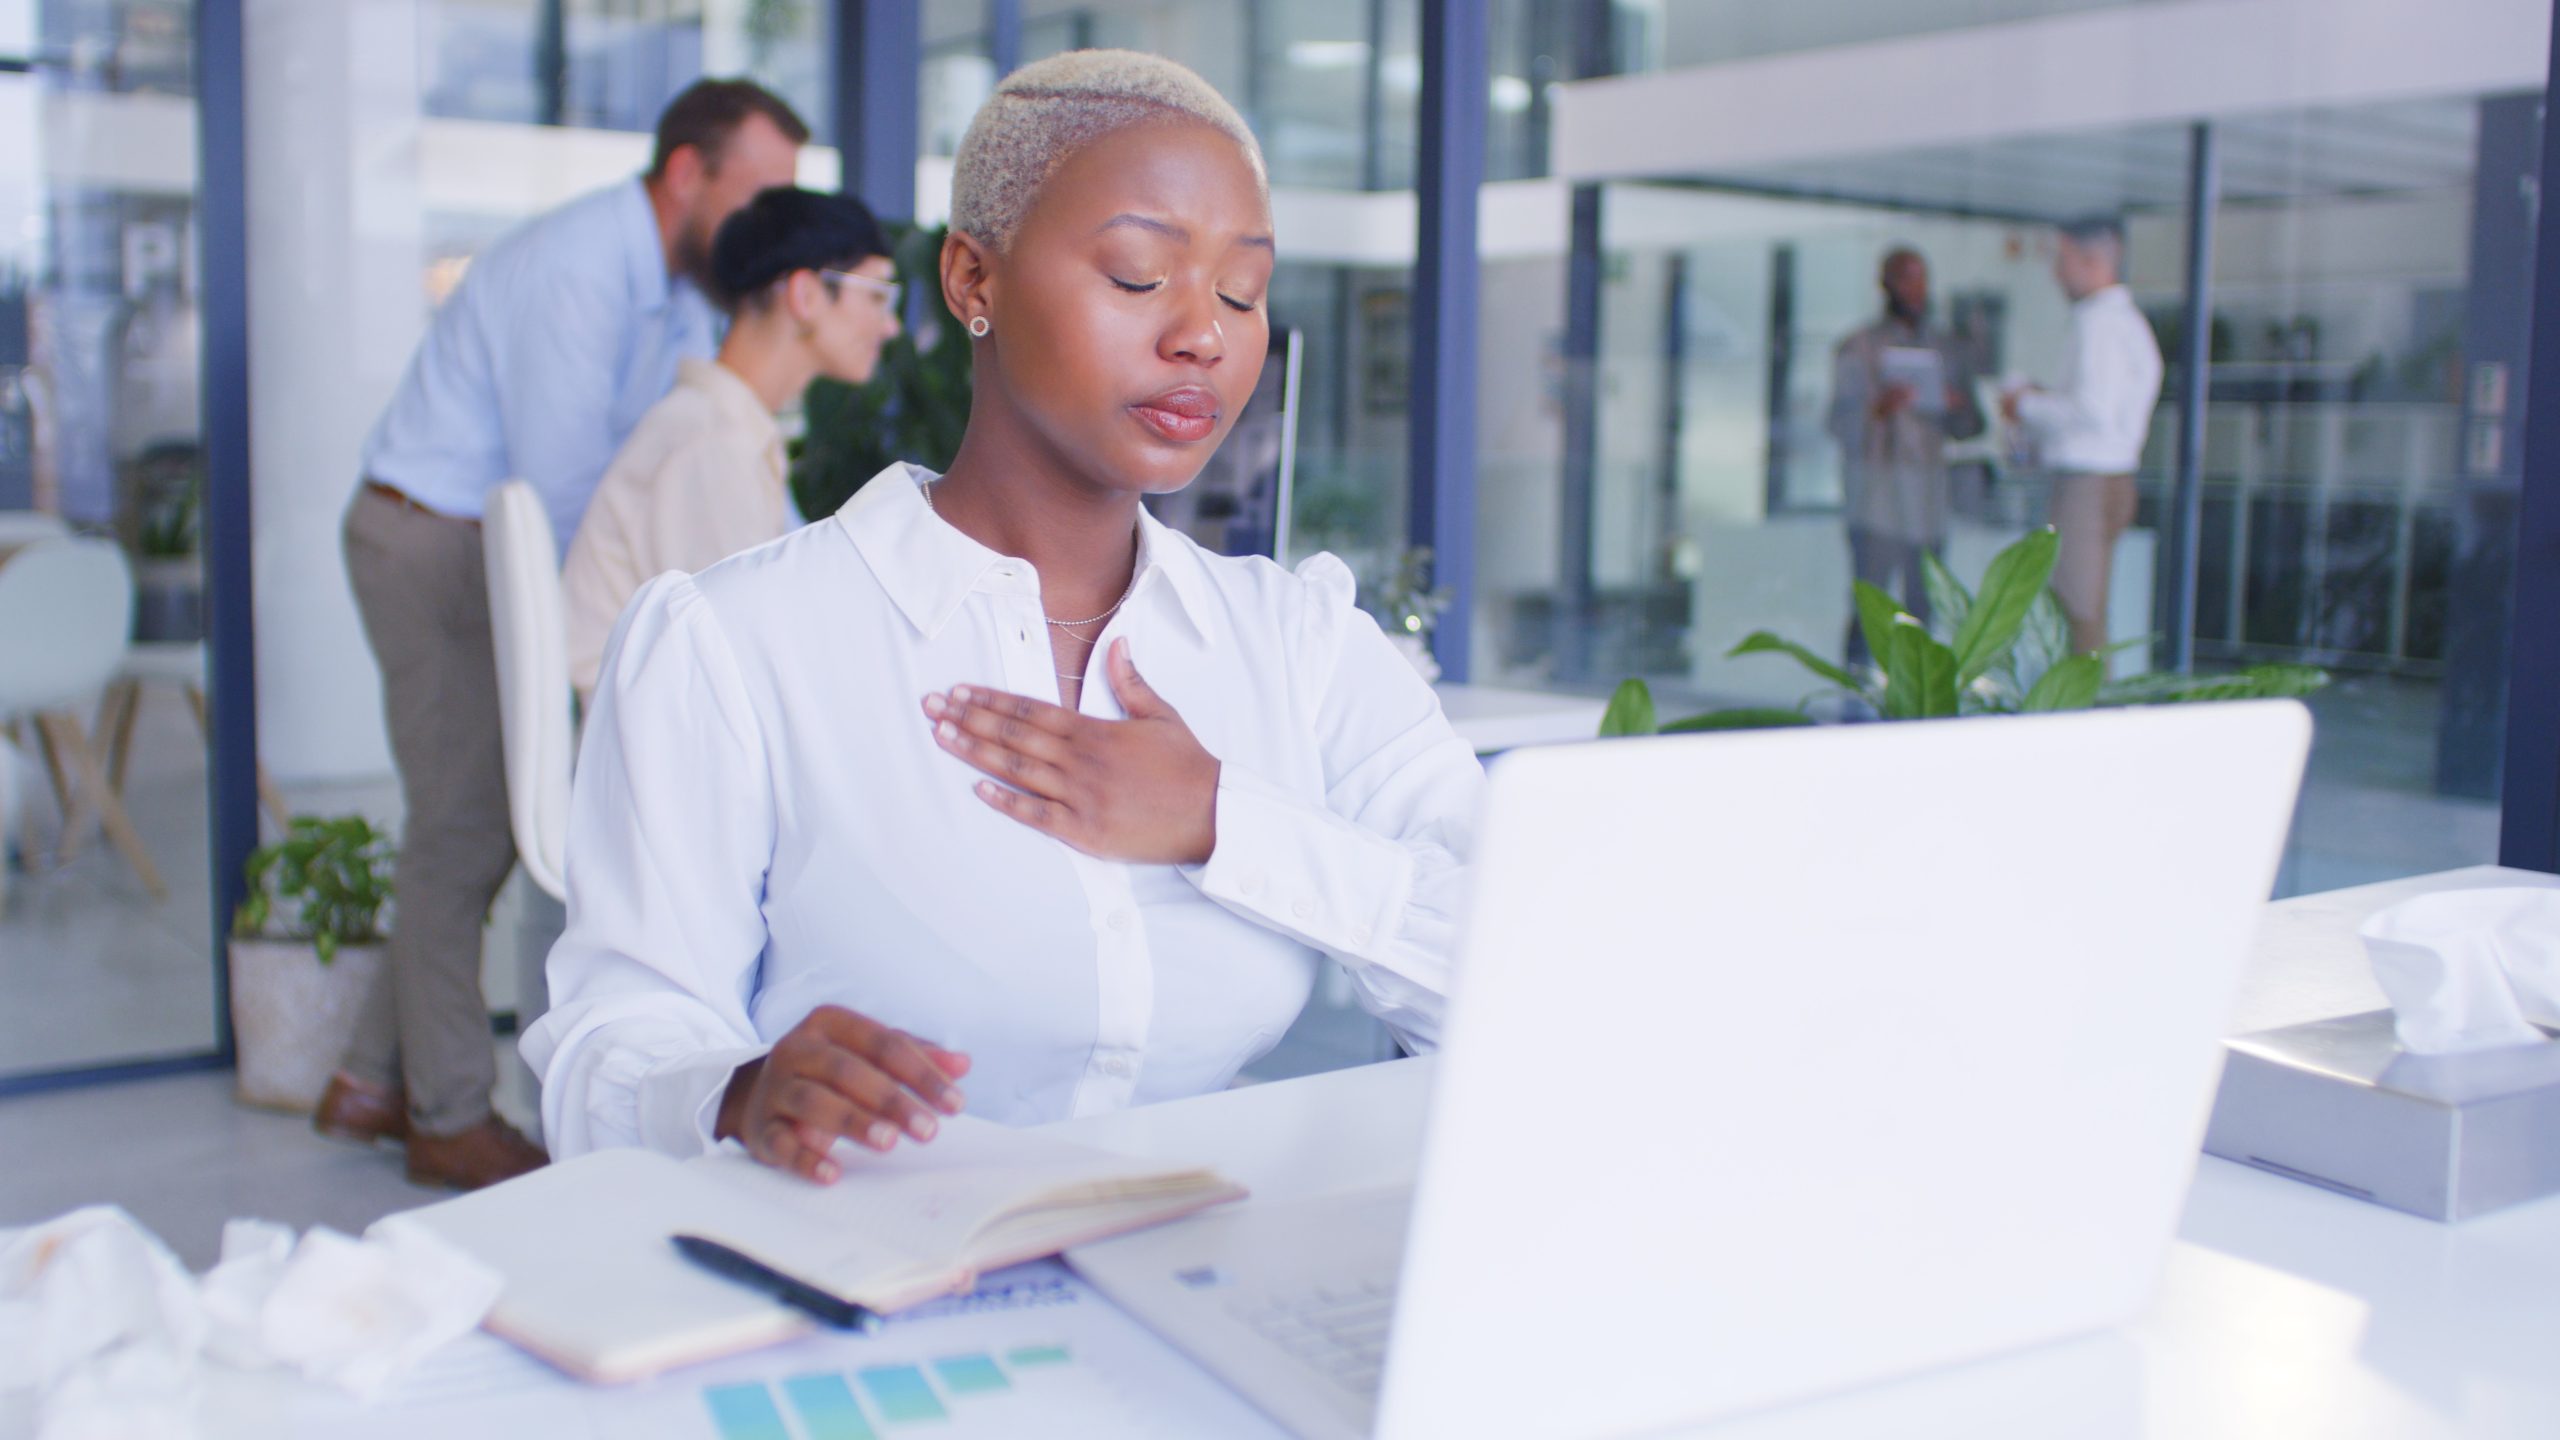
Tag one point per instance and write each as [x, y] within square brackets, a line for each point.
[2088, 430]
[806, 280]
[991, 776]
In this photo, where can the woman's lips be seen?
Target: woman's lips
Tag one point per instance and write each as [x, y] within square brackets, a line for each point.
[1184, 416]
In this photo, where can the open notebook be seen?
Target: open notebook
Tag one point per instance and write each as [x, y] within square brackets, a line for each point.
[595, 1285]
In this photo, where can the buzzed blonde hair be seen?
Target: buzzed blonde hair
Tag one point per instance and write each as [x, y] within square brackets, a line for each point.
[1049, 109]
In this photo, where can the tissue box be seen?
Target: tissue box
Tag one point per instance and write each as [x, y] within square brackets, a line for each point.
[2337, 1104]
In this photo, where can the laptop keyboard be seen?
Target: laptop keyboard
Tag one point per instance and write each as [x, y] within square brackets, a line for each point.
[1339, 1330]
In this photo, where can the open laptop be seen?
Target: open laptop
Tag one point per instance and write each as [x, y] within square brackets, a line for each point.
[1778, 1063]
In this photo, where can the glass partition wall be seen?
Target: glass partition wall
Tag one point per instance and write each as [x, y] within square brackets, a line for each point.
[2361, 359]
[105, 862]
[1658, 473]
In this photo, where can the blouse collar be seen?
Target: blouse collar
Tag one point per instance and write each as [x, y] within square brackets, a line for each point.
[929, 567]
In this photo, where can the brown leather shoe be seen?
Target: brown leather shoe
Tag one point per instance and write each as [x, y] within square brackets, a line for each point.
[483, 1155]
[353, 1109]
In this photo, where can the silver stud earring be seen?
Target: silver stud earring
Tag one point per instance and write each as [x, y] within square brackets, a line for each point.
[979, 327]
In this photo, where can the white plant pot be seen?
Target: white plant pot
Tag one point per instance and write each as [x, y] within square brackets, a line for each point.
[293, 1016]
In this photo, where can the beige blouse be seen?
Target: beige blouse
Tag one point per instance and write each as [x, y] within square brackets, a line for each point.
[701, 478]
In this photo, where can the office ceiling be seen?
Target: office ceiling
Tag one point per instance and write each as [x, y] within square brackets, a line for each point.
[2368, 150]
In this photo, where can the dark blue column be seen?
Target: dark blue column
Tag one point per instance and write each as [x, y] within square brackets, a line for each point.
[1456, 48]
[2487, 456]
[1580, 477]
[1004, 36]
[879, 54]
[2529, 825]
[222, 231]
[2195, 357]
[1591, 43]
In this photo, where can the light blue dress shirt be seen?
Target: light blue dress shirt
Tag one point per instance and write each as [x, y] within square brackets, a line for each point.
[559, 338]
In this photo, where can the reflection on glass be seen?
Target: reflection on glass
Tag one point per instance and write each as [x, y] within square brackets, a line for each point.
[105, 948]
[599, 65]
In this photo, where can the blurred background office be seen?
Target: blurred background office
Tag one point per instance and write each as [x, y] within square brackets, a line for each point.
[1679, 207]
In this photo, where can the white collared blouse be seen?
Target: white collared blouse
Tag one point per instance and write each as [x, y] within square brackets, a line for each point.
[763, 824]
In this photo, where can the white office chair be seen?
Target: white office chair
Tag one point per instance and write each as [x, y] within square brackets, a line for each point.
[24, 527]
[18, 527]
[66, 608]
[528, 619]
[179, 665]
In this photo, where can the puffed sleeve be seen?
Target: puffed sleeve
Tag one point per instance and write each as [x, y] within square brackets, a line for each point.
[671, 831]
[1375, 873]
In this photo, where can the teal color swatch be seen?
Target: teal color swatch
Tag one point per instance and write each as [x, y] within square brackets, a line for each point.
[902, 1393]
[1028, 1356]
[827, 1408]
[970, 1375]
[744, 1412]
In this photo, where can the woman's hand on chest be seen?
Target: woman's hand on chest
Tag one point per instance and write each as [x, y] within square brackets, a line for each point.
[1142, 790]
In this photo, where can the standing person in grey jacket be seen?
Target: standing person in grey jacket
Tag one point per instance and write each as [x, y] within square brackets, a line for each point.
[1900, 389]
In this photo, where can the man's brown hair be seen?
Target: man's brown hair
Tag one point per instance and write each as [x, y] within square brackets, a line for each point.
[710, 111]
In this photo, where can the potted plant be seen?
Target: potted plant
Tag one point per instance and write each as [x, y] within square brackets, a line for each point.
[305, 947]
[1408, 609]
[2003, 651]
[167, 489]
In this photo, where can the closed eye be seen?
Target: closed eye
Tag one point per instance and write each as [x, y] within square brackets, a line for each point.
[1247, 306]
[1134, 289]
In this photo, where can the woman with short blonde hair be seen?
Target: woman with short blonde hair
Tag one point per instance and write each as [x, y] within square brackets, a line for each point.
[991, 778]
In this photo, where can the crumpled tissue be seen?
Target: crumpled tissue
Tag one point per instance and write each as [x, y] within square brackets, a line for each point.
[103, 1322]
[2469, 969]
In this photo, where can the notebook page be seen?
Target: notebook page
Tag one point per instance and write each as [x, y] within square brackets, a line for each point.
[909, 1215]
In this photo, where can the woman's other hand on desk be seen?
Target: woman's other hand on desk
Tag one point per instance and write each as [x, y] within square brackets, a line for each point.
[1142, 789]
[838, 1076]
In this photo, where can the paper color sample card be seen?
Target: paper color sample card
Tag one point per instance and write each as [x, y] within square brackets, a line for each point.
[1034, 1351]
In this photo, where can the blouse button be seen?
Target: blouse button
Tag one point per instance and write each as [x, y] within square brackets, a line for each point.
[1303, 909]
[1117, 1067]
[1120, 920]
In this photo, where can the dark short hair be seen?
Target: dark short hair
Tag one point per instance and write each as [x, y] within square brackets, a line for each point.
[2095, 230]
[710, 111]
[786, 229]
[1896, 256]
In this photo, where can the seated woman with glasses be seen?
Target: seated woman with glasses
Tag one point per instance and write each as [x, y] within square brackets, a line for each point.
[992, 778]
[805, 279]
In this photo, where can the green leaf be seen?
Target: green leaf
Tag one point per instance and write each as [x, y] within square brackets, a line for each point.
[1877, 614]
[1762, 642]
[1920, 675]
[2257, 682]
[1949, 601]
[1630, 711]
[331, 876]
[2010, 585]
[1741, 718]
[2070, 685]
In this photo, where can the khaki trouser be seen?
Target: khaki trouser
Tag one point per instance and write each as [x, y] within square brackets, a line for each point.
[2091, 512]
[423, 590]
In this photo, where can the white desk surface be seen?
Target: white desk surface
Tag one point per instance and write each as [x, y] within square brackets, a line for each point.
[1491, 718]
[2285, 1310]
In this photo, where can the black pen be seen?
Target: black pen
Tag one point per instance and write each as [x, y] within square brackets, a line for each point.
[720, 1260]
